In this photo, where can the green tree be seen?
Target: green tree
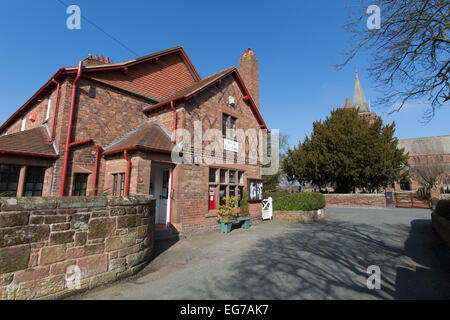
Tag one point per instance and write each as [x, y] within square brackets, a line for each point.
[271, 182]
[348, 152]
[244, 210]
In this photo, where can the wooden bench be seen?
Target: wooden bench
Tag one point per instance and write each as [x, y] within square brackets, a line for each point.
[226, 227]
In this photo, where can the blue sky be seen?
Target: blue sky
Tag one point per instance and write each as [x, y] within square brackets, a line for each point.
[297, 43]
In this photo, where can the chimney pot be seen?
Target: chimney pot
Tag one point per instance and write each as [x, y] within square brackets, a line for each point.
[248, 69]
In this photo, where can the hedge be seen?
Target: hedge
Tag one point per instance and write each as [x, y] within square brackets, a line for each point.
[443, 208]
[306, 201]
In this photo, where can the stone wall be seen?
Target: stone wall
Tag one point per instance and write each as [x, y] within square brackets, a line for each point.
[105, 238]
[299, 216]
[356, 200]
[442, 227]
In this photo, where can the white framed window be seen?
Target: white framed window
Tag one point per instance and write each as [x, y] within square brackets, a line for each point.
[24, 120]
[47, 115]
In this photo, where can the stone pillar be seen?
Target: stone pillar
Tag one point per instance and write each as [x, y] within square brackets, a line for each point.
[21, 183]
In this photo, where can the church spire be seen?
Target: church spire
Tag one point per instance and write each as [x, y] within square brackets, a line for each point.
[359, 99]
[348, 104]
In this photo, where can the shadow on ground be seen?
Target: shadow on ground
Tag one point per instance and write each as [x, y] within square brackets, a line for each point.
[329, 261]
[430, 280]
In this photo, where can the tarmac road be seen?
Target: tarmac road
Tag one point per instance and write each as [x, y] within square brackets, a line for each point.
[279, 260]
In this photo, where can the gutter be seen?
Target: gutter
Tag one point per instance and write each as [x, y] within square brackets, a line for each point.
[17, 153]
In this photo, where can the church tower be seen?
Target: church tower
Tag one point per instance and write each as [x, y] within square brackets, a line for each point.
[360, 102]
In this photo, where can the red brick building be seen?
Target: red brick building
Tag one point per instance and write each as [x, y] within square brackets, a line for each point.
[427, 152]
[110, 128]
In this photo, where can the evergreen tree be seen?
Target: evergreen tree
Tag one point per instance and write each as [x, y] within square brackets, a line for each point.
[348, 152]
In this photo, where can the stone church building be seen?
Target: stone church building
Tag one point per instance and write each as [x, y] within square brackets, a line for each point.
[104, 128]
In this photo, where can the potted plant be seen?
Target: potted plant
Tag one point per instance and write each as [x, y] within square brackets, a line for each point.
[227, 213]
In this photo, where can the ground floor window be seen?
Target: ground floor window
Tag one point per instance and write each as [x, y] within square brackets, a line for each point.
[34, 181]
[230, 184]
[222, 194]
[9, 180]
[80, 184]
[118, 189]
[240, 193]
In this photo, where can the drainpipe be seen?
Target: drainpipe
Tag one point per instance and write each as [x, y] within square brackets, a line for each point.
[55, 110]
[69, 129]
[79, 143]
[174, 140]
[174, 120]
[127, 175]
[97, 156]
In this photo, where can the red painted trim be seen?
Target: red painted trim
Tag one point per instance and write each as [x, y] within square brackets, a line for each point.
[127, 176]
[242, 86]
[97, 156]
[252, 103]
[79, 143]
[64, 71]
[17, 153]
[21, 110]
[130, 64]
[55, 109]
[134, 149]
[69, 129]
[189, 62]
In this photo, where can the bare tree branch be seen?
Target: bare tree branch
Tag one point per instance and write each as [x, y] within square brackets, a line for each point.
[410, 52]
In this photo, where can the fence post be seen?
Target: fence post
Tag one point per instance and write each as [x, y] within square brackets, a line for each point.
[412, 199]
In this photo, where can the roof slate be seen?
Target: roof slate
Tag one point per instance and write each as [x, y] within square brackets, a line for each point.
[32, 142]
[150, 136]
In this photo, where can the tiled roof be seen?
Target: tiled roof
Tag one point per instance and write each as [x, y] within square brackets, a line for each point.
[34, 142]
[124, 85]
[194, 88]
[150, 136]
[199, 85]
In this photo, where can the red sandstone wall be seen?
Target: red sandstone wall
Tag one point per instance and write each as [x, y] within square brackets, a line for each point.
[191, 181]
[108, 238]
[356, 200]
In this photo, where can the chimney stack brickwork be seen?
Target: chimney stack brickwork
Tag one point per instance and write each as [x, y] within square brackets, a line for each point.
[96, 60]
[248, 69]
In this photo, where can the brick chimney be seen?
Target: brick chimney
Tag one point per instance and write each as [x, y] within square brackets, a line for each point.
[96, 60]
[248, 69]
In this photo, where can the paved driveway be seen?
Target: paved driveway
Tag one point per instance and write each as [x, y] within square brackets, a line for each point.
[277, 260]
